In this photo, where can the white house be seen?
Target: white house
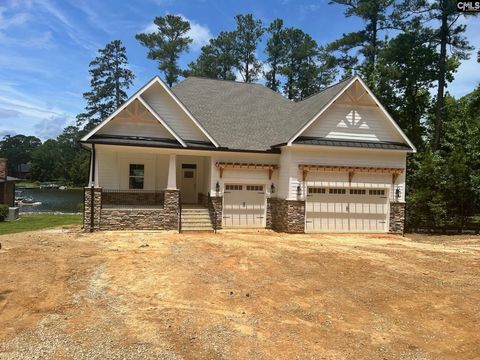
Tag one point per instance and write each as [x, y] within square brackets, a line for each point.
[222, 154]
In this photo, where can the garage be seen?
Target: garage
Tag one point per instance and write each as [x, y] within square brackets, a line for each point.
[244, 206]
[332, 209]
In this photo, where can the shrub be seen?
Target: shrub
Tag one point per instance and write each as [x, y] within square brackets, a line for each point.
[3, 212]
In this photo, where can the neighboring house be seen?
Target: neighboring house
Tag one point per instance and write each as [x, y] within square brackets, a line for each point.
[24, 171]
[7, 185]
[334, 162]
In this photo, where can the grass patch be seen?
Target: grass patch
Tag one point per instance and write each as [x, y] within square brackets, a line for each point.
[38, 221]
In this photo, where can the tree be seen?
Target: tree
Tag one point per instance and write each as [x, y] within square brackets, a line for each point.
[275, 51]
[247, 36]
[109, 80]
[298, 64]
[166, 44]
[377, 17]
[217, 59]
[18, 150]
[406, 73]
[449, 34]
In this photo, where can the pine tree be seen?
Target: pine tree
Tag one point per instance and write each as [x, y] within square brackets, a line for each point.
[275, 52]
[109, 80]
[247, 36]
[166, 44]
[217, 59]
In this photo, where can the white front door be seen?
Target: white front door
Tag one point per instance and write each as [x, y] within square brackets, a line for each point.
[244, 206]
[189, 184]
[346, 210]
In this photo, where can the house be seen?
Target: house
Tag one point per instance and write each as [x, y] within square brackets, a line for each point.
[7, 185]
[213, 153]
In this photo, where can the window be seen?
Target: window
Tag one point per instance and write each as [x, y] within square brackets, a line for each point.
[254, 187]
[136, 176]
[337, 191]
[316, 190]
[358, 191]
[380, 192]
[188, 174]
[230, 187]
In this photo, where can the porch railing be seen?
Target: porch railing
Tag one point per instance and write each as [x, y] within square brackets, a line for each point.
[213, 212]
[112, 198]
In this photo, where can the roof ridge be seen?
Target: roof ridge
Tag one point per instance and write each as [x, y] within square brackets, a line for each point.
[328, 87]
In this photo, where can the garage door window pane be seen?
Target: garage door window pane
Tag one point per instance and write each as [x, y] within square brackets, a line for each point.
[337, 191]
[254, 187]
[358, 191]
[230, 187]
[379, 192]
[316, 190]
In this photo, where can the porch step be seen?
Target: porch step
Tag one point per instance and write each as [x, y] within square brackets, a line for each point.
[196, 219]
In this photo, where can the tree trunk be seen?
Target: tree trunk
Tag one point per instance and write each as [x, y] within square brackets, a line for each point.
[441, 81]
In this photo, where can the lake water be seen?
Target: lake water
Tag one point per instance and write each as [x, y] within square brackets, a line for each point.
[54, 200]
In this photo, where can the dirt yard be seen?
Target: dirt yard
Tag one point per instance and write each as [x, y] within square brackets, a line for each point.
[238, 295]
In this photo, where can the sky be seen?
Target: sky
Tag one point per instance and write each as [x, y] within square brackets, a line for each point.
[46, 46]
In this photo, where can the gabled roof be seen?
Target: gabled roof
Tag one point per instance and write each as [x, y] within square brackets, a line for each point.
[247, 116]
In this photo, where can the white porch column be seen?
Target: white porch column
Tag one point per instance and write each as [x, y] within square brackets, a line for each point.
[172, 173]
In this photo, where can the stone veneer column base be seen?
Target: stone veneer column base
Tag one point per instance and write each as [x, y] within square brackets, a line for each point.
[288, 215]
[397, 217]
[171, 209]
[87, 208]
[217, 202]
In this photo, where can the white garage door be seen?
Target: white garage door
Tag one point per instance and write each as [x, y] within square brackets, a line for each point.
[346, 210]
[244, 206]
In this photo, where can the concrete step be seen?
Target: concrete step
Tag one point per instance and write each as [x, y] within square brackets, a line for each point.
[189, 211]
[197, 228]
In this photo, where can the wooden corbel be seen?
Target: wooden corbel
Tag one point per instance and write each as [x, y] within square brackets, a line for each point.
[304, 174]
[270, 173]
[394, 178]
[350, 177]
[221, 168]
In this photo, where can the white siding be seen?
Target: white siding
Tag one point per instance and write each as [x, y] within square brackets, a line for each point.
[353, 123]
[172, 114]
[291, 177]
[244, 176]
[137, 121]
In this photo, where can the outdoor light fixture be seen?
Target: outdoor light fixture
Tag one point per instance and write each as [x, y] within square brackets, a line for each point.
[397, 194]
[272, 189]
[299, 191]
[217, 187]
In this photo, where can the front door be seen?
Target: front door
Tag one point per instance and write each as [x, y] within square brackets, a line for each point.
[189, 184]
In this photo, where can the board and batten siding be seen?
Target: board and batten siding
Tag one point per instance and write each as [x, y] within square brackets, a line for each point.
[290, 175]
[172, 114]
[113, 168]
[353, 122]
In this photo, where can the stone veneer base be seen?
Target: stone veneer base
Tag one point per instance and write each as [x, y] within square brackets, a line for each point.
[397, 217]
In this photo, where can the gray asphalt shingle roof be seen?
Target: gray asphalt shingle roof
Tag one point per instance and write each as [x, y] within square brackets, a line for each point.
[249, 116]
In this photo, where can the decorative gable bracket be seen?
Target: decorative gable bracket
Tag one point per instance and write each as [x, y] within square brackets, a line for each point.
[351, 170]
[229, 165]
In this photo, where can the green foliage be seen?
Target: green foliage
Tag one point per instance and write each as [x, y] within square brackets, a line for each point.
[18, 150]
[166, 44]
[248, 34]
[275, 52]
[217, 59]
[3, 212]
[109, 78]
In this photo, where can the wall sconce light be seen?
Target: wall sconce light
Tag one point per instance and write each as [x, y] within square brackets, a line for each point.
[299, 191]
[217, 188]
[397, 194]
[272, 189]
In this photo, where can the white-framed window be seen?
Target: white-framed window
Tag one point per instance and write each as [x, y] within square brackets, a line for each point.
[232, 187]
[380, 192]
[337, 191]
[358, 192]
[316, 190]
[136, 176]
[254, 187]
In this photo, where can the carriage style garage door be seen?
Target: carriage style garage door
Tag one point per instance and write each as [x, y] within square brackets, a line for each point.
[346, 210]
[244, 206]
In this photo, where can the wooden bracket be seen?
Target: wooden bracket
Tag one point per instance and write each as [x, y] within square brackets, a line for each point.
[270, 173]
[221, 168]
[395, 177]
[350, 177]
[304, 174]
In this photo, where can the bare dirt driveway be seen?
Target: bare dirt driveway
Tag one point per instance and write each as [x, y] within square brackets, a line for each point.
[238, 295]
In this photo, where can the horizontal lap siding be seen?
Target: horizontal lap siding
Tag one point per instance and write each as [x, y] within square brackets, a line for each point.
[353, 123]
[149, 127]
[172, 114]
[292, 175]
